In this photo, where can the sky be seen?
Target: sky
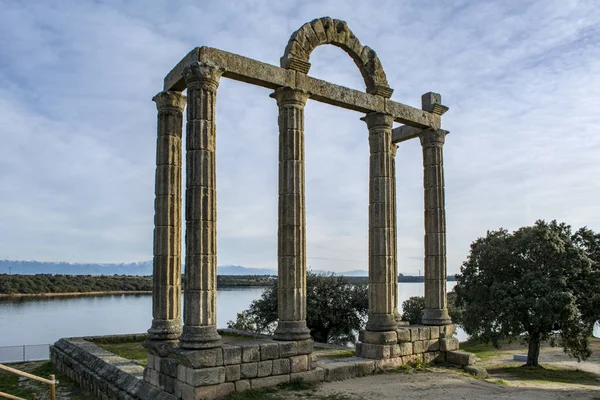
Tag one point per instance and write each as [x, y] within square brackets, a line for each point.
[78, 127]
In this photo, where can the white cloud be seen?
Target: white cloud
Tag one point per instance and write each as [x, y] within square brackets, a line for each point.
[79, 130]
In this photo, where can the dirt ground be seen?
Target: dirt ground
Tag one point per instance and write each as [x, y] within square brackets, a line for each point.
[455, 384]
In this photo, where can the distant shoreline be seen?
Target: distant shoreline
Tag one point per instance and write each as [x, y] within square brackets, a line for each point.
[73, 294]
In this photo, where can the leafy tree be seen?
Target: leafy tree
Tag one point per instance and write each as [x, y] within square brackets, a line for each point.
[533, 283]
[412, 309]
[335, 309]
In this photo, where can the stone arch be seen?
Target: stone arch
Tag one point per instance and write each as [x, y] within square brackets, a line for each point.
[336, 32]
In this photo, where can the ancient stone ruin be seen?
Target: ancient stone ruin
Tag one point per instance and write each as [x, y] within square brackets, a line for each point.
[190, 361]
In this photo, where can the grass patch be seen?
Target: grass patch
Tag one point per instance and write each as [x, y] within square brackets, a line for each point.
[484, 351]
[130, 350]
[337, 354]
[254, 394]
[297, 385]
[548, 374]
[21, 387]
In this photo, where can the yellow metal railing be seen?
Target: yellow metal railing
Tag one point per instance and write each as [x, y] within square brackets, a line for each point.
[52, 382]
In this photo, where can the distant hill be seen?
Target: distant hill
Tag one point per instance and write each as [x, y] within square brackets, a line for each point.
[139, 268]
[145, 268]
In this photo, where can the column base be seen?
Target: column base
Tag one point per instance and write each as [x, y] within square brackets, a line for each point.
[399, 320]
[291, 330]
[164, 329]
[436, 316]
[200, 337]
[381, 322]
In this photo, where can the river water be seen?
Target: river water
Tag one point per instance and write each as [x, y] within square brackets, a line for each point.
[34, 320]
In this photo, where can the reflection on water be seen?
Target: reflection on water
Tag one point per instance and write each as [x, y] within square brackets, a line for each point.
[39, 320]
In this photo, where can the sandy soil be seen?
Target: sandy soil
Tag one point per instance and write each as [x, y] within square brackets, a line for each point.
[442, 385]
[452, 383]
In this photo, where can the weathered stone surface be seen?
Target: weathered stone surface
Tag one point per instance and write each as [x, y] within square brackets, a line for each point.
[436, 307]
[258, 73]
[250, 352]
[189, 392]
[447, 330]
[249, 370]
[435, 332]
[304, 346]
[287, 349]
[381, 228]
[231, 354]
[414, 333]
[316, 375]
[448, 344]
[298, 363]
[166, 294]
[479, 372]
[199, 358]
[431, 345]
[424, 333]
[232, 373]
[418, 347]
[291, 254]
[403, 335]
[431, 357]
[410, 360]
[205, 376]
[267, 381]
[402, 349]
[460, 358]
[265, 368]
[335, 32]
[281, 366]
[374, 351]
[105, 374]
[389, 337]
[269, 351]
[200, 308]
[242, 385]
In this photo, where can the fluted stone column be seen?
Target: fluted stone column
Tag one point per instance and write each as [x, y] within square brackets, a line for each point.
[397, 315]
[200, 296]
[436, 308]
[382, 230]
[291, 252]
[166, 276]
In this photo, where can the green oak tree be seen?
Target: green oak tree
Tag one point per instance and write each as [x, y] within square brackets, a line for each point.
[335, 309]
[538, 283]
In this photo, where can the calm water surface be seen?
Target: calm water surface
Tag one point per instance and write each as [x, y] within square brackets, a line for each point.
[45, 320]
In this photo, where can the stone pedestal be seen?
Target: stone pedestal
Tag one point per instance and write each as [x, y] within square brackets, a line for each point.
[436, 308]
[382, 232]
[200, 308]
[166, 277]
[291, 251]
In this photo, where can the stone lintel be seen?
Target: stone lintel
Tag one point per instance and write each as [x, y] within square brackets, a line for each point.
[270, 76]
[404, 133]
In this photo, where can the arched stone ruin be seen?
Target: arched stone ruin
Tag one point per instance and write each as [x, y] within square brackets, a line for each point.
[189, 360]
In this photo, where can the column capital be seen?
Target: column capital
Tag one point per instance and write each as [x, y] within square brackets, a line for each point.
[433, 137]
[202, 74]
[288, 96]
[169, 101]
[378, 120]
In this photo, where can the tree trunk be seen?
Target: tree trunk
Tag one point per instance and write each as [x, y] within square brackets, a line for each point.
[534, 350]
